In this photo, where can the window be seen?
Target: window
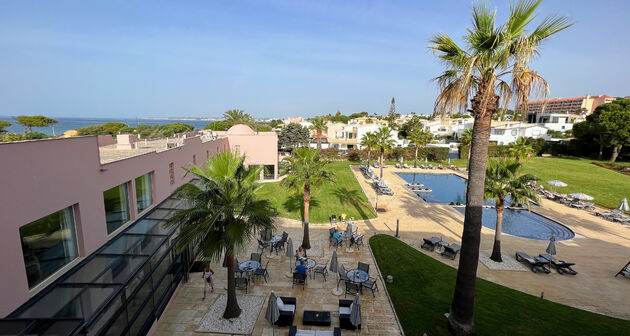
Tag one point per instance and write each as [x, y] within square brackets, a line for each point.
[116, 207]
[208, 153]
[194, 159]
[48, 244]
[144, 192]
[171, 172]
[268, 172]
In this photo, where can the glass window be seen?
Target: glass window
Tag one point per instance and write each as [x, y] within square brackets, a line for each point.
[144, 192]
[48, 244]
[134, 244]
[116, 207]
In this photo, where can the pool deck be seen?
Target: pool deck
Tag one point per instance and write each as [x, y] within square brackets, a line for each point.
[599, 249]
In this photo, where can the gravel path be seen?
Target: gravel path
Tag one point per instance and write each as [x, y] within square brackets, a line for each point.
[213, 322]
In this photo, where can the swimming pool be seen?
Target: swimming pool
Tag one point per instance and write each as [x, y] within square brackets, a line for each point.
[523, 223]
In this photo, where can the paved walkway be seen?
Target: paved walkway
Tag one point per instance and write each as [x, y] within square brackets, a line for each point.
[185, 312]
[600, 248]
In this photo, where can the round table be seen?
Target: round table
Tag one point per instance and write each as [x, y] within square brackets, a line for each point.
[356, 275]
[249, 265]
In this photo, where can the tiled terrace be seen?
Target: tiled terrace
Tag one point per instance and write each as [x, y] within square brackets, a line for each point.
[187, 309]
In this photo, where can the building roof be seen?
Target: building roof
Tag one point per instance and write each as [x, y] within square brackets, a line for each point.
[556, 100]
[240, 129]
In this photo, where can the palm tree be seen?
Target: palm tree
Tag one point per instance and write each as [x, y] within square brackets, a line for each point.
[319, 125]
[306, 170]
[235, 116]
[493, 56]
[502, 181]
[419, 137]
[369, 142]
[225, 214]
[519, 149]
[384, 142]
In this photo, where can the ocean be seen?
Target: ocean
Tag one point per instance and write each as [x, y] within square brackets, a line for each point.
[65, 124]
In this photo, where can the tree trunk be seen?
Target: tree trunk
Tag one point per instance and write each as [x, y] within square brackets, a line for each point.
[369, 151]
[306, 242]
[461, 317]
[319, 140]
[496, 249]
[415, 158]
[615, 153]
[232, 309]
[382, 160]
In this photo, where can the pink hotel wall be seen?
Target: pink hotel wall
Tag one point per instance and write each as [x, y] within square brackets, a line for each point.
[38, 178]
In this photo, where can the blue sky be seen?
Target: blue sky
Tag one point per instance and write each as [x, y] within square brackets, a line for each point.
[270, 58]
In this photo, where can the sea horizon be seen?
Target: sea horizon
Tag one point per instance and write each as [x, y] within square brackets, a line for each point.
[72, 123]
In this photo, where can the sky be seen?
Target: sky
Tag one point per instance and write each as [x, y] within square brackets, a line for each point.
[115, 59]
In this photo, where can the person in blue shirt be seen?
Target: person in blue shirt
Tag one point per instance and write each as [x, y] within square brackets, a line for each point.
[337, 236]
[300, 269]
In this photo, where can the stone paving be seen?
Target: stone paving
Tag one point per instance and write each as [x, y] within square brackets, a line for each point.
[599, 249]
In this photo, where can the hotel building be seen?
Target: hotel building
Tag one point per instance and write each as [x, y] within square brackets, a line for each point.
[82, 241]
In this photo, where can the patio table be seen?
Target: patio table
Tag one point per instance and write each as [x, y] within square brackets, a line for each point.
[249, 267]
[357, 276]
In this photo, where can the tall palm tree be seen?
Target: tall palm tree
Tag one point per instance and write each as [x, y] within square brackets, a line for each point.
[368, 141]
[305, 170]
[419, 137]
[384, 142]
[319, 125]
[519, 149]
[502, 181]
[225, 214]
[493, 57]
[235, 116]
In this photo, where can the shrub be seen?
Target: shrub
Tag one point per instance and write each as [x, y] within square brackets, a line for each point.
[330, 153]
[354, 155]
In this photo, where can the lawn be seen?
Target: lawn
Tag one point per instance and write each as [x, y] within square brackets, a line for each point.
[607, 186]
[423, 288]
[344, 195]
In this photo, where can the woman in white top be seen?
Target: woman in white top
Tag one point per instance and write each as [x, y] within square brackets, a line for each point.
[207, 277]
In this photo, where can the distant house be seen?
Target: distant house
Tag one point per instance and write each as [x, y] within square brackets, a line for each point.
[507, 133]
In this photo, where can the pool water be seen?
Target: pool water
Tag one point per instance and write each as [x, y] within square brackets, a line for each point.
[448, 188]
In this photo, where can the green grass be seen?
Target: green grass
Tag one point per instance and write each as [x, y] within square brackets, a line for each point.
[607, 186]
[344, 195]
[423, 288]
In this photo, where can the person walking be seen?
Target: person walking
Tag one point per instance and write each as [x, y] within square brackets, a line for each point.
[207, 277]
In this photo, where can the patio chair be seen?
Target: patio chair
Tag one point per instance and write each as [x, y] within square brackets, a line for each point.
[358, 242]
[262, 272]
[345, 307]
[625, 271]
[255, 256]
[561, 266]
[287, 307]
[450, 251]
[429, 244]
[241, 283]
[323, 270]
[371, 284]
[364, 267]
[536, 265]
[343, 275]
[352, 288]
[300, 279]
[333, 219]
[262, 245]
[236, 268]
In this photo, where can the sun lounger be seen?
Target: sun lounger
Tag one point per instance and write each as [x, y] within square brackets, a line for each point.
[625, 271]
[537, 265]
[398, 165]
[608, 213]
[621, 219]
[450, 251]
[405, 166]
[429, 244]
[561, 266]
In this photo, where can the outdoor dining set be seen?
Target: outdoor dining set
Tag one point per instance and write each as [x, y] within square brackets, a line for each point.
[247, 271]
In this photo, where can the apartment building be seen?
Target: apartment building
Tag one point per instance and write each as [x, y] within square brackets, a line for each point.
[506, 133]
